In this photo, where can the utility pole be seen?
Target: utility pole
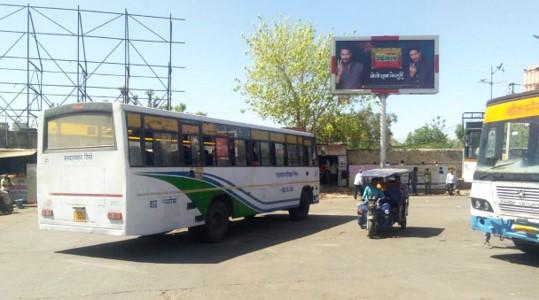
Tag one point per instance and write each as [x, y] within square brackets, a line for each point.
[383, 129]
[492, 72]
[511, 87]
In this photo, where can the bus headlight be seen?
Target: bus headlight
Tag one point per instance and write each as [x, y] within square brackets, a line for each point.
[481, 204]
[486, 206]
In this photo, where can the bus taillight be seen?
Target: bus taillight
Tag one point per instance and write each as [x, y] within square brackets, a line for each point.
[115, 216]
[47, 213]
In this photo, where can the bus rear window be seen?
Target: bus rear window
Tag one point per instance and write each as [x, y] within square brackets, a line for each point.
[83, 130]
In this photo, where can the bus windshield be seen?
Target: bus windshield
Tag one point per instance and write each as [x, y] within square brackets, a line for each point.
[510, 146]
[81, 130]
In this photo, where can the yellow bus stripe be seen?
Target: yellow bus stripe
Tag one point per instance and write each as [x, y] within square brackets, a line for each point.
[512, 110]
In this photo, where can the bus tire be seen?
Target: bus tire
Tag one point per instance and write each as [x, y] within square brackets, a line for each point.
[302, 211]
[217, 223]
[526, 247]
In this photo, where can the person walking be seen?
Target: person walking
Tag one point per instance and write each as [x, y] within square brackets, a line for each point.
[450, 182]
[427, 179]
[414, 181]
[358, 183]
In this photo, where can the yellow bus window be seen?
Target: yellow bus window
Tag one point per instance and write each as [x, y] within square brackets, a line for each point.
[209, 129]
[160, 123]
[291, 139]
[133, 120]
[190, 129]
[278, 137]
[259, 135]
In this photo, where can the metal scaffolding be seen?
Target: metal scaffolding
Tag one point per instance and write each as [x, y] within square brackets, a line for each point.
[56, 76]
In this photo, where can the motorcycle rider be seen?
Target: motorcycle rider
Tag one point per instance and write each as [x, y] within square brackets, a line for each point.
[372, 190]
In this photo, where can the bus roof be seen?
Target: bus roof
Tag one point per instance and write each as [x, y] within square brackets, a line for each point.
[140, 109]
[512, 97]
[107, 107]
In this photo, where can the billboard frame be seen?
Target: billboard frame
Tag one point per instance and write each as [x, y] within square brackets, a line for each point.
[378, 91]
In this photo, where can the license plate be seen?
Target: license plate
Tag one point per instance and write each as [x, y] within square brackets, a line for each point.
[79, 215]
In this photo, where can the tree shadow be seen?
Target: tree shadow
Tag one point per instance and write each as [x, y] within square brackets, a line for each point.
[245, 236]
[519, 258]
[410, 232]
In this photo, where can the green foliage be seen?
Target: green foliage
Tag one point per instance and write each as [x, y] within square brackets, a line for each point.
[430, 135]
[289, 81]
[179, 107]
[358, 128]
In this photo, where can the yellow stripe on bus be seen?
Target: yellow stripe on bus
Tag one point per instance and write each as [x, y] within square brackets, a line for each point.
[512, 110]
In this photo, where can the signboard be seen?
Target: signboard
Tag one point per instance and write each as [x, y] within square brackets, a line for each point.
[385, 65]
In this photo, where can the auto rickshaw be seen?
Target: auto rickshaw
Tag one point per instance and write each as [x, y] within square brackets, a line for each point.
[392, 208]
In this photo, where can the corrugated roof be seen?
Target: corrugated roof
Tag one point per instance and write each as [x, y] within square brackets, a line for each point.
[8, 153]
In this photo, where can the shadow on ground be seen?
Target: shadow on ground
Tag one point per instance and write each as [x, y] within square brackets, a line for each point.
[410, 232]
[519, 258]
[245, 236]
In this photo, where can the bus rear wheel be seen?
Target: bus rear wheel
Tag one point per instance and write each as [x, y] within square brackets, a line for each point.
[217, 223]
[526, 247]
[302, 211]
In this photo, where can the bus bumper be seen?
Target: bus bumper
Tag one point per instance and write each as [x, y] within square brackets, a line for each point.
[507, 228]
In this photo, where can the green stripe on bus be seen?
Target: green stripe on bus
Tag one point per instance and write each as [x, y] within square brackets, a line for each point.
[202, 199]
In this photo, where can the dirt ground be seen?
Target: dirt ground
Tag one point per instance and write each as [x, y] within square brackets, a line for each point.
[326, 256]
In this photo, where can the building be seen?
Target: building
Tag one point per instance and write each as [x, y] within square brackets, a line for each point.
[531, 78]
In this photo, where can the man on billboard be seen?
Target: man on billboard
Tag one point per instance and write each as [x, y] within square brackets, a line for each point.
[420, 71]
[349, 72]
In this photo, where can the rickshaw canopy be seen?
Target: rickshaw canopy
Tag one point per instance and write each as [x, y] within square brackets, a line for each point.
[385, 172]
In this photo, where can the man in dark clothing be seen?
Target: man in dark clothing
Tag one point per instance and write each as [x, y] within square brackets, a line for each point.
[420, 72]
[349, 72]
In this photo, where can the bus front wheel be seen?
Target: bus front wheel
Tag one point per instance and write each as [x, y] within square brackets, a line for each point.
[527, 247]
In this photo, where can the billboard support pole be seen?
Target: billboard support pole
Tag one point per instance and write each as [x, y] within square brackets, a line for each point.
[383, 129]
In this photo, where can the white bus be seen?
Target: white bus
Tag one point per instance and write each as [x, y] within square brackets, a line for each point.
[505, 190]
[127, 170]
[472, 122]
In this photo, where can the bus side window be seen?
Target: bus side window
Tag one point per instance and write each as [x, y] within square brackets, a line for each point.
[279, 154]
[265, 153]
[240, 154]
[223, 158]
[253, 152]
[148, 148]
[191, 144]
[134, 139]
[134, 136]
[165, 149]
[209, 151]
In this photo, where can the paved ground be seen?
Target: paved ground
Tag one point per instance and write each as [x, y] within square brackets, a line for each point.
[324, 257]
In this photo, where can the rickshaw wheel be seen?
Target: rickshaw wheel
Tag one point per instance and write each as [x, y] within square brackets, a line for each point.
[371, 230]
[403, 223]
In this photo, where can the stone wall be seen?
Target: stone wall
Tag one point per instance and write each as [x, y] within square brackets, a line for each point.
[432, 158]
[24, 138]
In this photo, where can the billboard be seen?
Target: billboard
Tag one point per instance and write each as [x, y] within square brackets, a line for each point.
[385, 65]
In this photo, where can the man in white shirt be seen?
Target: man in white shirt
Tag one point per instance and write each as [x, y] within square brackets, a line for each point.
[450, 182]
[358, 184]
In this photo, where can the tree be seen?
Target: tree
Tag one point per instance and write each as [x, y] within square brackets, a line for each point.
[358, 128]
[179, 107]
[289, 81]
[430, 135]
[151, 103]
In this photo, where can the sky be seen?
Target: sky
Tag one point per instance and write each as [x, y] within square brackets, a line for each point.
[473, 35]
